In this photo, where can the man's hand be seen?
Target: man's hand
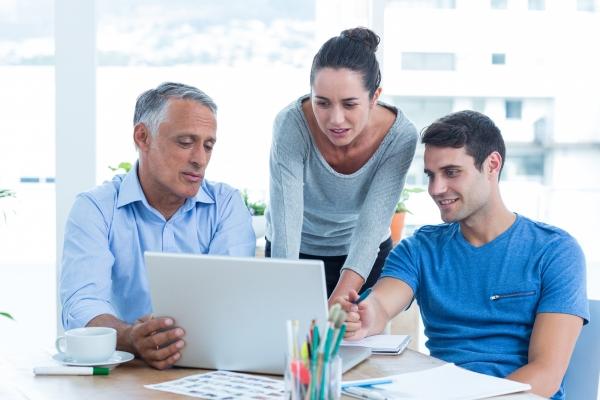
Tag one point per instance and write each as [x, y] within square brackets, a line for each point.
[157, 341]
[359, 317]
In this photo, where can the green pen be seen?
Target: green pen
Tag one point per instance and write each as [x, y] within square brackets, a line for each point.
[62, 370]
[363, 296]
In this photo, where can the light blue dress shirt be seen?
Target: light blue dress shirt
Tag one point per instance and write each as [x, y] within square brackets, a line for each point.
[111, 226]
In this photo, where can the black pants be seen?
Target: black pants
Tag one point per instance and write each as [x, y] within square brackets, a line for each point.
[334, 264]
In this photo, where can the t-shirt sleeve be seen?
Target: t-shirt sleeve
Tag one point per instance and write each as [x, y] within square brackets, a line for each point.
[403, 263]
[563, 279]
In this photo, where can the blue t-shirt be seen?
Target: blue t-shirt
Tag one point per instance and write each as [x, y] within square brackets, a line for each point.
[479, 304]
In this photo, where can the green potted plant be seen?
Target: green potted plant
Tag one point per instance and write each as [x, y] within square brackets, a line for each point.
[125, 166]
[4, 193]
[397, 224]
[257, 210]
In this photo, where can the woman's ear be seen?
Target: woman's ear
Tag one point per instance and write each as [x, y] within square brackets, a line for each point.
[375, 97]
[141, 136]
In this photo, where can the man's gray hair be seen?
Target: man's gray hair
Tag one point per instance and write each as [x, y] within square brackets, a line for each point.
[151, 106]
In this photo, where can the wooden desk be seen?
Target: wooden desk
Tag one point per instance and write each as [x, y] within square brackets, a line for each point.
[127, 381]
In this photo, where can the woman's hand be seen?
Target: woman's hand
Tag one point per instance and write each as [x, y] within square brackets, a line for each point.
[349, 281]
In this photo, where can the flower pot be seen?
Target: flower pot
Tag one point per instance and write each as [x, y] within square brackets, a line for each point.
[397, 226]
[259, 225]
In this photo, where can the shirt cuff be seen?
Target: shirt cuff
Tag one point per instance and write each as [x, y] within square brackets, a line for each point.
[83, 311]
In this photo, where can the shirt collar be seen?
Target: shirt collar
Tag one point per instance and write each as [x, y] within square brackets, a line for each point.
[131, 191]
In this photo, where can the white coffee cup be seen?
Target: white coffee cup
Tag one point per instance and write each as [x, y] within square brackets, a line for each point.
[88, 345]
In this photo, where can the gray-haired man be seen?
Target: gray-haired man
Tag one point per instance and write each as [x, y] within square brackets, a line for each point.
[163, 204]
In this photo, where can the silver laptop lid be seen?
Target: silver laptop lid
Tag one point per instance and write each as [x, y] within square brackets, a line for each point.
[233, 309]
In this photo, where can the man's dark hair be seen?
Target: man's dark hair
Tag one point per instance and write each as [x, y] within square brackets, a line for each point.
[470, 129]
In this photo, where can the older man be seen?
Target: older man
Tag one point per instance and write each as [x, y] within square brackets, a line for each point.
[163, 204]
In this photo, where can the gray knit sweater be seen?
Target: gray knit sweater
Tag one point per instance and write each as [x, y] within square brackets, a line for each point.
[315, 210]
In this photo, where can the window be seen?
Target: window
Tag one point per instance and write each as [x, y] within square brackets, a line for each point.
[498, 58]
[422, 111]
[478, 104]
[258, 46]
[537, 5]
[513, 109]
[428, 61]
[527, 165]
[586, 5]
[499, 4]
[27, 165]
[448, 4]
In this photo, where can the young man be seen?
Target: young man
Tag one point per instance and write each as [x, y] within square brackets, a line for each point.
[163, 204]
[499, 293]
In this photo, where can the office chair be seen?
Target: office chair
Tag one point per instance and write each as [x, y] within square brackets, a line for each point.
[581, 379]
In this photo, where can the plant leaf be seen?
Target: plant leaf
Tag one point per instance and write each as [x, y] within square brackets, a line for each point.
[7, 315]
[404, 195]
[6, 193]
[125, 166]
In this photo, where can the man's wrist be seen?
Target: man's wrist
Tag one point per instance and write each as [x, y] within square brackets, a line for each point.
[125, 340]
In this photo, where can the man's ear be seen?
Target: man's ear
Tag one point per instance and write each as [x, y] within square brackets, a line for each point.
[142, 136]
[494, 163]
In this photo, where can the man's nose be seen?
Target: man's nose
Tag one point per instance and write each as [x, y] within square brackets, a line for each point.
[437, 186]
[199, 156]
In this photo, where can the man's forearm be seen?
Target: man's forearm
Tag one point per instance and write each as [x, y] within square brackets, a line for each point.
[123, 329]
[381, 316]
[544, 379]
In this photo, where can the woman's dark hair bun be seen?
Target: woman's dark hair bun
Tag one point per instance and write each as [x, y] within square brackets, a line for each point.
[363, 35]
[353, 49]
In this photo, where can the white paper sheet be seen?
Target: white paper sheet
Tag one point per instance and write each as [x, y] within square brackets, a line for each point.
[224, 385]
[446, 382]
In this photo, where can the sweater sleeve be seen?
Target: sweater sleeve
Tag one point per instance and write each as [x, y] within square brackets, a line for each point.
[381, 199]
[289, 150]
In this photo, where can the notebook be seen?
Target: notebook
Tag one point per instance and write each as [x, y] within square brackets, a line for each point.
[234, 309]
[451, 383]
[382, 344]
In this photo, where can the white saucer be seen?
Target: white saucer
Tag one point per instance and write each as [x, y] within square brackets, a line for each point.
[118, 357]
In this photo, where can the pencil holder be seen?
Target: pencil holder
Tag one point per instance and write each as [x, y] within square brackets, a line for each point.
[319, 381]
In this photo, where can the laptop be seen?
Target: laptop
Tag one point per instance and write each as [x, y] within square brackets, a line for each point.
[234, 309]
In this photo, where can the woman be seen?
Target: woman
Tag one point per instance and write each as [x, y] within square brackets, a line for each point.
[338, 163]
